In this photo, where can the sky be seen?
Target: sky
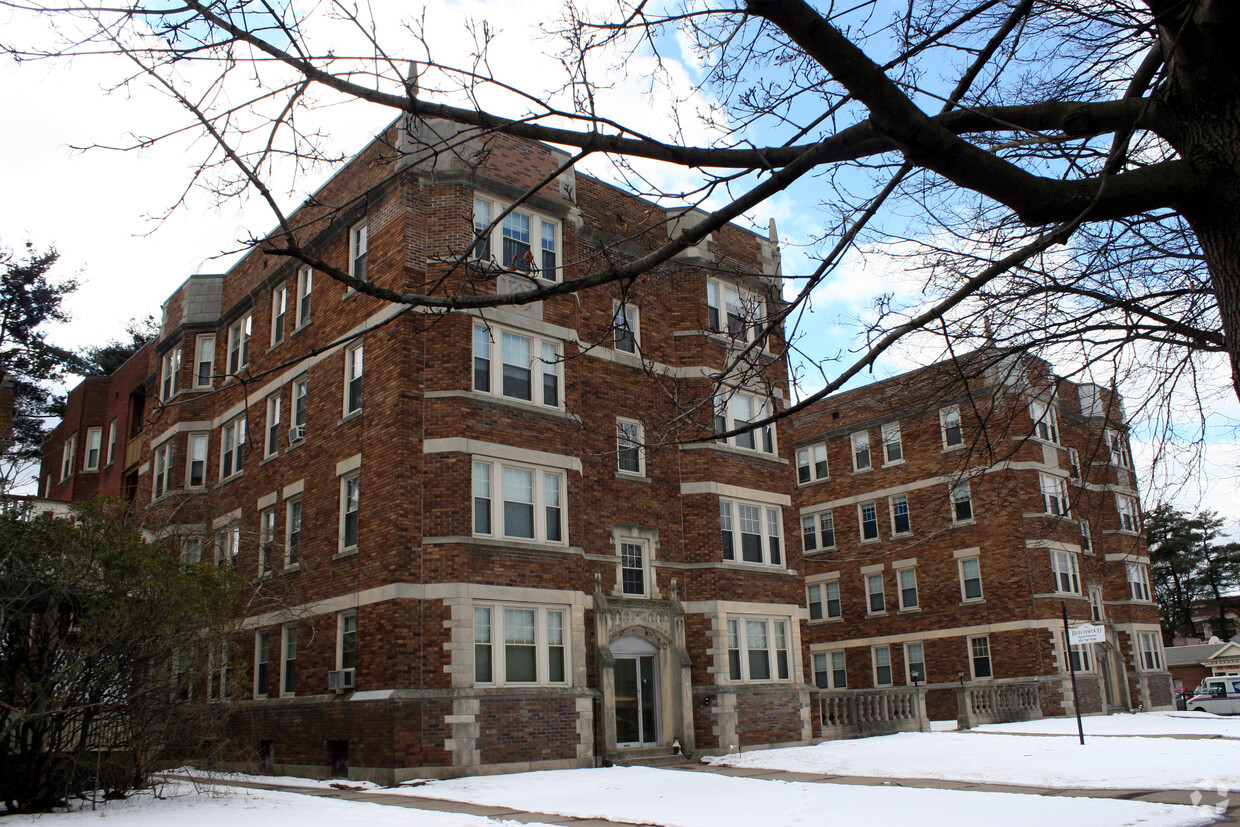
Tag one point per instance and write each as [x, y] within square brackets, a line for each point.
[108, 212]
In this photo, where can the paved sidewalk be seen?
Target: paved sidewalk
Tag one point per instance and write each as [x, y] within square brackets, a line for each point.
[1186, 797]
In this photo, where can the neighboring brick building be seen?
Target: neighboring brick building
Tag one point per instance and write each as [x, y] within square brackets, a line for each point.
[479, 547]
[945, 521]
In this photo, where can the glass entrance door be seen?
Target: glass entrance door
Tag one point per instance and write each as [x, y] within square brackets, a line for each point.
[636, 701]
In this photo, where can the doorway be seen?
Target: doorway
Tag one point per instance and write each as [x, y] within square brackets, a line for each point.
[637, 701]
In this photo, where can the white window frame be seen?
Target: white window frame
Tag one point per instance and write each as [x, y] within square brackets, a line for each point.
[204, 356]
[161, 470]
[239, 333]
[1054, 492]
[770, 532]
[359, 247]
[305, 289]
[546, 360]
[198, 448]
[68, 457]
[867, 514]
[293, 517]
[903, 575]
[826, 595]
[1074, 465]
[279, 314]
[626, 327]
[898, 504]
[288, 660]
[1150, 652]
[1083, 653]
[111, 441]
[227, 544]
[218, 658]
[832, 664]
[232, 447]
[94, 444]
[965, 579]
[742, 633]
[816, 529]
[909, 660]
[869, 581]
[880, 658]
[266, 542]
[271, 442]
[543, 495]
[892, 444]
[262, 663]
[961, 494]
[354, 366]
[630, 448]
[299, 413]
[1045, 420]
[732, 310]
[862, 458]
[350, 511]
[1139, 582]
[346, 639]
[972, 652]
[1129, 514]
[812, 463]
[191, 549]
[949, 420]
[1066, 572]
[1097, 608]
[170, 368]
[1087, 540]
[1117, 445]
[546, 263]
[728, 409]
[624, 563]
[497, 637]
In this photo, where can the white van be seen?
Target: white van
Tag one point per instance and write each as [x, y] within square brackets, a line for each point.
[1218, 695]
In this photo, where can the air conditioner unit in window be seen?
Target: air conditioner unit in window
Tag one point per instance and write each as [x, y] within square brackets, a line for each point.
[340, 680]
[296, 433]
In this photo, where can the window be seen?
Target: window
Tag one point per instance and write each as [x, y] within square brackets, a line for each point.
[529, 366]
[893, 448]
[266, 542]
[162, 470]
[525, 241]
[530, 505]
[881, 657]
[1064, 570]
[170, 366]
[823, 600]
[94, 441]
[624, 321]
[732, 310]
[346, 640]
[758, 649]
[754, 535]
[1087, 543]
[232, 447]
[301, 390]
[217, 673]
[1054, 495]
[68, 457]
[272, 445]
[876, 601]
[739, 409]
[239, 343]
[359, 245]
[633, 568]
[288, 663]
[914, 663]
[305, 286]
[196, 472]
[1096, 611]
[861, 451]
[962, 503]
[516, 644]
[1151, 650]
[1118, 447]
[1074, 465]
[191, 550]
[1139, 581]
[292, 534]
[353, 379]
[970, 579]
[227, 544]
[262, 656]
[830, 671]
[900, 522]
[949, 425]
[350, 504]
[204, 360]
[279, 312]
[813, 600]
[630, 457]
[907, 580]
[868, 517]
[111, 441]
[1129, 517]
[1045, 422]
[1078, 655]
[812, 463]
[979, 657]
[818, 531]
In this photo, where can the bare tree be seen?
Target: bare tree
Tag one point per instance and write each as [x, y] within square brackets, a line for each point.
[1066, 171]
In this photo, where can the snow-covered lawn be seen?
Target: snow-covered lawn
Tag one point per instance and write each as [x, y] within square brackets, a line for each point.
[998, 756]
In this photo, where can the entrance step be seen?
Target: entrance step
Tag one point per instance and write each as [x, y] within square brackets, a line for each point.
[648, 757]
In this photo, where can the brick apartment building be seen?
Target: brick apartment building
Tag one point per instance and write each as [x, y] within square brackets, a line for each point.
[473, 542]
[946, 516]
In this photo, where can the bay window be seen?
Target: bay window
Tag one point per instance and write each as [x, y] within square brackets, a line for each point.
[518, 502]
[525, 241]
[758, 649]
[737, 409]
[520, 644]
[751, 532]
[529, 366]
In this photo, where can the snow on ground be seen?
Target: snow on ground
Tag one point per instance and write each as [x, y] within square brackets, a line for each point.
[1144, 723]
[188, 806]
[208, 776]
[677, 798]
[1033, 760]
